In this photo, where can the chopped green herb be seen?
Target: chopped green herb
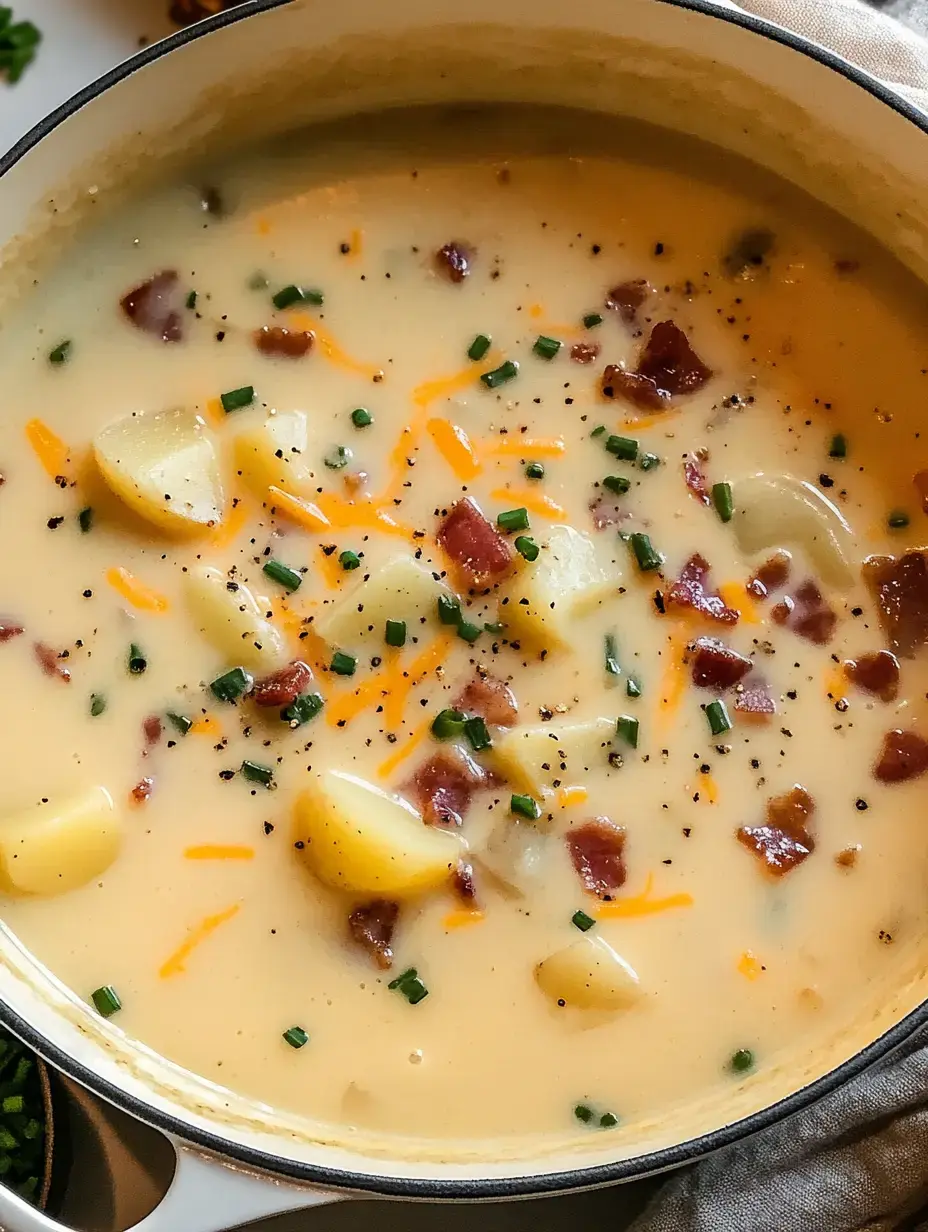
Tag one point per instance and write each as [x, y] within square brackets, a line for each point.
[230, 686]
[648, 461]
[296, 1037]
[622, 447]
[18, 43]
[410, 986]
[741, 1061]
[343, 664]
[608, 1120]
[626, 728]
[527, 547]
[449, 609]
[717, 716]
[277, 571]
[632, 687]
[60, 353]
[192, 300]
[723, 501]
[479, 347]
[97, 705]
[106, 1001]
[85, 520]
[361, 417]
[257, 281]
[599, 430]
[534, 470]
[349, 560]
[235, 399]
[592, 319]
[507, 371]
[448, 724]
[583, 1113]
[496, 627]
[180, 722]
[547, 348]
[395, 633]
[304, 708]
[581, 920]
[617, 484]
[525, 806]
[478, 737]
[338, 457]
[13, 1103]
[469, 632]
[513, 519]
[898, 519]
[645, 554]
[255, 772]
[838, 446]
[288, 296]
[611, 655]
[136, 661]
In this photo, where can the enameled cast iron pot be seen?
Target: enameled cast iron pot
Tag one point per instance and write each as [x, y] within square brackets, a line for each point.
[688, 65]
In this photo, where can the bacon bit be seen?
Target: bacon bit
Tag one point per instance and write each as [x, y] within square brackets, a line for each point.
[49, 661]
[671, 363]
[807, 613]
[135, 592]
[569, 797]
[607, 512]
[596, 852]
[454, 260]
[689, 591]
[847, 858]
[278, 340]
[463, 883]
[219, 851]
[771, 575]
[474, 544]
[715, 665]
[904, 756]
[628, 297]
[695, 479]
[50, 449]
[371, 926]
[585, 352]
[152, 730]
[784, 841]
[142, 791]
[444, 786]
[175, 964]
[900, 587]
[633, 387]
[453, 445]
[753, 698]
[283, 687]
[642, 904]
[490, 698]
[875, 673]
[921, 487]
[749, 967]
[462, 918]
[155, 306]
[9, 629]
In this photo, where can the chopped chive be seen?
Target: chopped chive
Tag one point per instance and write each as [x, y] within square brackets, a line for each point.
[617, 484]
[97, 705]
[7, 1141]
[395, 633]
[534, 470]
[741, 1061]
[230, 686]
[898, 519]
[723, 501]
[85, 519]
[592, 319]
[623, 447]
[361, 417]
[547, 348]
[13, 1103]
[303, 709]
[479, 347]
[513, 519]
[611, 655]
[447, 724]
[478, 736]
[525, 806]
[583, 1113]
[180, 722]
[255, 772]
[626, 728]
[717, 716]
[257, 281]
[192, 300]
[645, 554]
[494, 627]
[136, 661]
[343, 664]
[349, 560]
[599, 430]
[410, 986]
[838, 446]
[608, 1120]
[527, 547]
[507, 371]
[338, 457]
[277, 571]
[286, 297]
[296, 1037]
[60, 353]
[235, 399]
[106, 1001]
[648, 461]
[449, 609]
[469, 632]
[581, 920]
[632, 687]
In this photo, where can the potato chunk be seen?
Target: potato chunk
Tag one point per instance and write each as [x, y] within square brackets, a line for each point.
[401, 589]
[562, 584]
[533, 757]
[163, 465]
[275, 449]
[589, 975]
[53, 848]
[233, 621]
[366, 841]
[515, 854]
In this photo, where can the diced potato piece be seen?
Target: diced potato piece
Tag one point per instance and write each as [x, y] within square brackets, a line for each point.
[366, 841]
[589, 975]
[233, 621]
[531, 758]
[515, 855]
[53, 848]
[563, 583]
[275, 449]
[401, 589]
[777, 511]
[164, 466]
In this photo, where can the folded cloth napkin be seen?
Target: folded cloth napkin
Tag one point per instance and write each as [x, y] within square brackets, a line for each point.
[858, 1160]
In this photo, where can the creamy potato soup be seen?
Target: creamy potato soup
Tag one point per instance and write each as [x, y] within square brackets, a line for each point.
[461, 624]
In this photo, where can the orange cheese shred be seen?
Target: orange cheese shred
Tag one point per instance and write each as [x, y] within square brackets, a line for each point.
[403, 750]
[444, 386]
[198, 934]
[673, 676]
[330, 570]
[219, 851]
[355, 243]
[401, 681]
[462, 918]
[349, 705]
[835, 682]
[215, 411]
[50, 449]
[232, 525]
[534, 502]
[738, 597]
[332, 351]
[649, 421]
[749, 967]
[527, 446]
[263, 226]
[453, 445]
[206, 725]
[303, 512]
[569, 796]
[135, 592]
[642, 904]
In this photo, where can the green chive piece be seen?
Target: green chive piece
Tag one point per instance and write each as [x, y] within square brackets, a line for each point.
[395, 633]
[617, 484]
[507, 371]
[277, 571]
[106, 1001]
[527, 547]
[192, 300]
[611, 655]
[13, 1103]
[583, 1113]
[838, 446]
[255, 772]
[343, 664]
[180, 722]
[7, 1141]
[741, 1061]
[898, 519]
[338, 457]
[232, 684]
[296, 1037]
[626, 728]
[235, 399]
[718, 719]
[547, 348]
[534, 470]
[349, 560]
[469, 632]
[645, 554]
[599, 430]
[60, 353]
[478, 736]
[479, 347]
[581, 920]
[304, 708]
[608, 1120]
[136, 661]
[85, 520]
[648, 461]
[496, 627]
[361, 417]
[286, 297]
[592, 319]
[723, 501]
[513, 519]
[97, 705]
[257, 282]
[449, 609]
[448, 724]
[623, 447]
[525, 806]
[410, 986]
[632, 687]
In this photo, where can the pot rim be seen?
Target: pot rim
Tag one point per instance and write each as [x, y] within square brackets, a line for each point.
[476, 1189]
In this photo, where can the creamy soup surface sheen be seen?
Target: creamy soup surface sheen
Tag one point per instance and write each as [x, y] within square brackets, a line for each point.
[710, 947]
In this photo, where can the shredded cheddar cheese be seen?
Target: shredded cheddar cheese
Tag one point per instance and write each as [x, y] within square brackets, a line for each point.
[219, 851]
[534, 502]
[404, 750]
[673, 676]
[207, 725]
[332, 351]
[569, 796]
[330, 570]
[463, 918]
[736, 596]
[232, 525]
[749, 967]
[355, 243]
[50, 449]
[453, 445]
[835, 682]
[135, 592]
[301, 511]
[175, 965]
[215, 410]
[527, 446]
[642, 904]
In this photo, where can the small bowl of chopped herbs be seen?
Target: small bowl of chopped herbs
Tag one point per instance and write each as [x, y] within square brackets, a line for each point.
[26, 1122]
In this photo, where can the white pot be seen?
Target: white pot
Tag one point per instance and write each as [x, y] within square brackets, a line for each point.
[703, 70]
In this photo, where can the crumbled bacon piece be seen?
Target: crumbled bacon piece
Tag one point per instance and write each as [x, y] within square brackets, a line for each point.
[152, 730]
[597, 853]
[371, 926]
[463, 883]
[142, 791]
[771, 575]
[474, 544]
[671, 363]
[876, 673]
[444, 786]
[49, 661]
[640, 390]
[784, 841]
[627, 297]
[607, 511]
[155, 306]
[454, 260]
[689, 591]
[715, 665]
[585, 352]
[9, 629]
[810, 615]
[753, 698]
[904, 756]
[847, 857]
[695, 479]
[920, 479]
[900, 587]
[283, 687]
[490, 698]
[288, 343]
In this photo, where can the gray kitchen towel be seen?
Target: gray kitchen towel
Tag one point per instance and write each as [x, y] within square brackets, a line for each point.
[858, 1160]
